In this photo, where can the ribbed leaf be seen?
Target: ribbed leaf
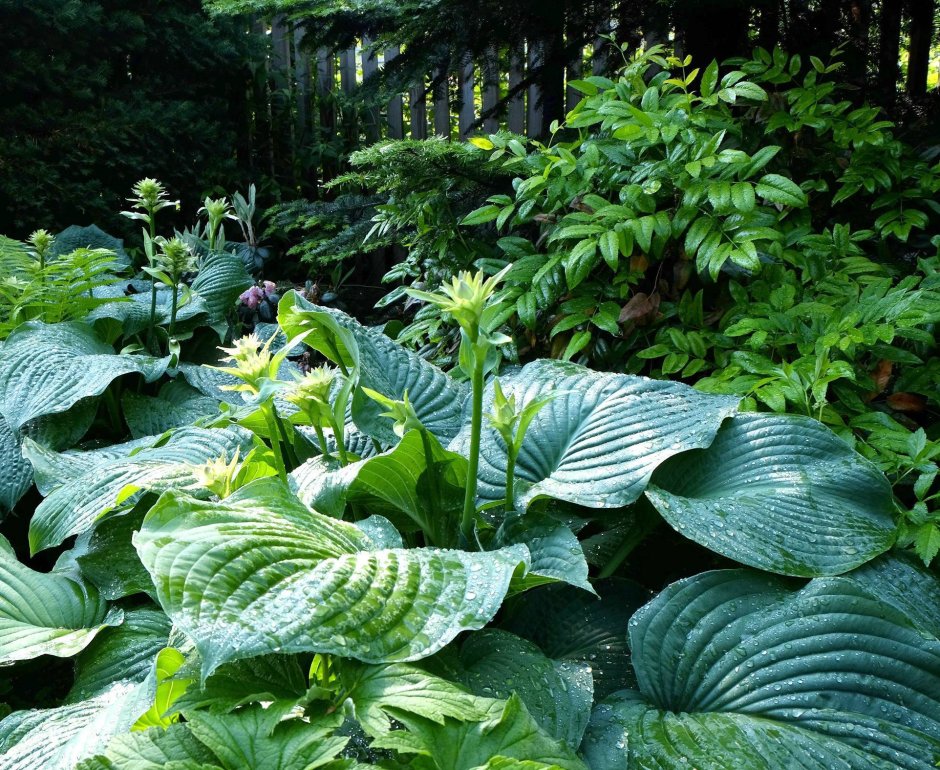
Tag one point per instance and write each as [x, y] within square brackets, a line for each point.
[133, 312]
[152, 750]
[375, 692]
[260, 573]
[76, 505]
[396, 484]
[123, 653]
[17, 474]
[778, 492]
[222, 277]
[46, 613]
[598, 441]
[558, 694]
[385, 367]
[569, 624]
[256, 738]
[509, 731]
[177, 404]
[900, 580]
[57, 738]
[554, 548]
[736, 669]
[46, 368]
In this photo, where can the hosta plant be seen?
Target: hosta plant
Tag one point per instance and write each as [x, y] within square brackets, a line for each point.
[380, 564]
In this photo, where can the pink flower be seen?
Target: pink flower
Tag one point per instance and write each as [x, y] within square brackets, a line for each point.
[269, 287]
[252, 297]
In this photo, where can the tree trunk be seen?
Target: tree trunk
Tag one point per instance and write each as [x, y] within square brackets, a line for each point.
[921, 36]
[889, 50]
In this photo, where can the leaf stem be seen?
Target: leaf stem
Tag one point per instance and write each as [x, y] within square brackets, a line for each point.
[510, 503]
[476, 424]
[271, 421]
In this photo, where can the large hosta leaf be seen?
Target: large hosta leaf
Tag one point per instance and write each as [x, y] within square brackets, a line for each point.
[260, 573]
[222, 277]
[571, 625]
[77, 504]
[46, 614]
[123, 653]
[177, 404]
[152, 750]
[57, 738]
[778, 492]
[47, 368]
[597, 442]
[558, 694]
[737, 669]
[384, 366]
[17, 474]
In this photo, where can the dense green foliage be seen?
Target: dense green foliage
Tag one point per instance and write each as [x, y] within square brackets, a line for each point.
[92, 94]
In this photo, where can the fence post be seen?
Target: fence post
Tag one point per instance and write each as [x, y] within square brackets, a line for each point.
[347, 70]
[370, 66]
[418, 109]
[490, 90]
[516, 109]
[467, 112]
[572, 95]
[441, 106]
[534, 122]
[396, 127]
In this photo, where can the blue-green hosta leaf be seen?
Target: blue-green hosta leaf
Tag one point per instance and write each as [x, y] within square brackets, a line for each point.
[91, 237]
[384, 366]
[256, 738]
[133, 312]
[737, 669]
[260, 573]
[558, 694]
[46, 613]
[598, 441]
[177, 404]
[396, 484]
[17, 475]
[47, 368]
[571, 625]
[555, 550]
[781, 493]
[899, 579]
[222, 277]
[153, 750]
[376, 692]
[75, 506]
[58, 738]
[508, 731]
[123, 653]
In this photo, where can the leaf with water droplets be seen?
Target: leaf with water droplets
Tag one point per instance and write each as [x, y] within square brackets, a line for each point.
[599, 439]
[779, 492]
[738, 669]
[259, 573]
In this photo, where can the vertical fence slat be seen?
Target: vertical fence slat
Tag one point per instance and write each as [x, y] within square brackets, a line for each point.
[347, 70]
[534, 111]
[418, 109]
[516, 107]
[396, 123]
[490, 90]
[441, 108]
[370, 66]
[302, 78]
[573, 96]
[467, 113]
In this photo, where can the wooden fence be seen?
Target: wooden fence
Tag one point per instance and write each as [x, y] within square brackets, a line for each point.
[318, 89]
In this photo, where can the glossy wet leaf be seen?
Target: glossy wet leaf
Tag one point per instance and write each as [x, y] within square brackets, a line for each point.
[737, 668]
[598, 441]
[153, 750]
[384, 366]
[176, 404]
[47, 613]
[558, 694]
[378, 692]
[555, 550]
[73, 507]
[781, 493]
[47, 368]
[17, 475]
[260, 573]
[57, 738]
